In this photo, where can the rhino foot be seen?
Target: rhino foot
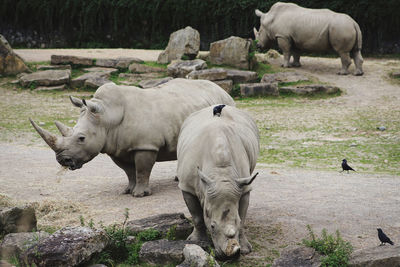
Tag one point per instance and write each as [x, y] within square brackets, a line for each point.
[245, 246]
[129, 189]
[141, 192]
[197, 236]
[358, 73]
[343, 72]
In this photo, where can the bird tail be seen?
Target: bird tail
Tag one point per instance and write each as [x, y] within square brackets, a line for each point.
[391, 242]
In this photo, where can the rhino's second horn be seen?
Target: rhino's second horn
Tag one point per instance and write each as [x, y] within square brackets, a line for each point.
[64, 130]
[48, 137]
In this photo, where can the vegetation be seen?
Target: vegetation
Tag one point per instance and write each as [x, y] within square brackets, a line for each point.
[336, 251]
[106, 23]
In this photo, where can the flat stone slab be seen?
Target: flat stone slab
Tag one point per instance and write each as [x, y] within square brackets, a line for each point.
[17, 219]
[227, 85]
[395, 74]
[284, 77]
[51, 88]
[74, 60]
[301, 256]
[310, 89]
[96, 82]
[214, 74]
[134, 78]
[46, 78]
[181, 68]
[242, 76]
[101, 69]
[119, 62]
[15, 243]
[155, 82]
[70, 246]
[259, 89]
[53, 67]
[80, 81]
[141, 68]
[380, 256]
[163, 223]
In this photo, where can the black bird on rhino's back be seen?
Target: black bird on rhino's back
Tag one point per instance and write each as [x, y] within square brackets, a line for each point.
[217, 110]
[383, 238]
[346, 167]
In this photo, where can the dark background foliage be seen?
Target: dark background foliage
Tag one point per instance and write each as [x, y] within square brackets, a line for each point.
[148, 23]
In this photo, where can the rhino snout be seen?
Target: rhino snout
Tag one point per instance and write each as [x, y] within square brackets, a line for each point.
[68, 162]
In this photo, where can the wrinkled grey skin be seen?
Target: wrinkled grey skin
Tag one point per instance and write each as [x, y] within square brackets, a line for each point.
[216, 156]
[296, 29]
[135, 127]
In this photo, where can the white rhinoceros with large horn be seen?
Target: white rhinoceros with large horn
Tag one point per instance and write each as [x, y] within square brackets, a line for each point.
[216, 157]
[135, 127]
[296, 29]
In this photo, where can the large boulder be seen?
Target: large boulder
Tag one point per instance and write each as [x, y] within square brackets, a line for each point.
[284, 77]
[181, 68]
[74, 60]
[17, 219]
[196, 256]
[10, 63]
[46, 78]
[14, 244]
[310, 89]
[214, 74]
[380, 256]
[184, 42]
[259, 89]
[90, 77]
[227, 85]
[242, 76]
[233, 51]
[134, 78]
[67, 247]
[301, 256]
[176, 222]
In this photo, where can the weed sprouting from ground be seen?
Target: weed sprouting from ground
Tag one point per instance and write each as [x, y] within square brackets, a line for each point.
[336, 251]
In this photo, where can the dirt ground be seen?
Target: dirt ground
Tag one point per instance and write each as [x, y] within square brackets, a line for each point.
[287, 199]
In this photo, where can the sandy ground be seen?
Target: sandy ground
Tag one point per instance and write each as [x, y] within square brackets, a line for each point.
[355, 204]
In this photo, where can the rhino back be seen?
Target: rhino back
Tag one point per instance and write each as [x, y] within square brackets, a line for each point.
[152, 117]
[208, 142]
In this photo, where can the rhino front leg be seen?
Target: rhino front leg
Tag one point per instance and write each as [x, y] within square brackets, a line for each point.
[285, 46]
[130, 170]
[144, 162]
[245, 246]
[199, 232]
[346, 61]
[296, 60]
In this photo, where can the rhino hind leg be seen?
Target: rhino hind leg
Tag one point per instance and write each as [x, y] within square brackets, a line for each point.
[358, 61]
[144, 162]
[245, 246]
[346, 61]
[200, 231]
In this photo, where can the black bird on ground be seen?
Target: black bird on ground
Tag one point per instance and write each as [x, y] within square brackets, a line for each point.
[383, 238]
[346, 167]
[217, 110]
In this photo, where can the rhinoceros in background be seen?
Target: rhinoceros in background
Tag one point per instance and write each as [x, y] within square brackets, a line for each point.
[135, 127]
[216, 156]
[296, 29]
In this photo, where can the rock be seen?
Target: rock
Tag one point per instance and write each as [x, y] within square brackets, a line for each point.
[70, 246]
[273, 54]
[233, 51]
[154, 82]
[14, 244]
[50, 88]
[301, 256]
[195, 256]
[164, 251]
[214, 74]
[17, 219]
[242, 76]
[5, 264]
[141, 68]
[259, 89]
[120, 62]
[227, 85]
[381, 128]
[163, 223]
[284, 77]
[204, 55]
[309, 89]
[109, 71]
[184, 42]
[134, 78]
[53, 67]
[10, 63]
[395, 74]
[380, 256]
[46, 78]
[62, 60]
[181, 68]
[96, 81]
[80, 81]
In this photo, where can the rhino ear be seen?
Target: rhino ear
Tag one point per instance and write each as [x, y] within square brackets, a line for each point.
[259, 13]
[76, 101]
[246, 181]
[204, 177]
[93, 107]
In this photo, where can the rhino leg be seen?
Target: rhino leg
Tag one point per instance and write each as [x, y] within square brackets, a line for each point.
[358, 61]
[200, 231]
[245, 246]
[144, 162]
[130, 170]
[346, 61]
[296, 60]
[285, 46]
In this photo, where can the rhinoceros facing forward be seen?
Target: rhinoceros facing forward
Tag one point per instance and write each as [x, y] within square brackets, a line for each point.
[135, 127]
[296, 29]
[216, 156]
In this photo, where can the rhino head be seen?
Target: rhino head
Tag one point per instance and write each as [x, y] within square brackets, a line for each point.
[262, 36]
[83, 142]
[221, 213]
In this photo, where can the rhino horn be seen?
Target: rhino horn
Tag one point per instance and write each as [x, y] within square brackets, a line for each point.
[76, 101]
[255, 32]
[246, 181]
[48, 137]
[64, 130]
[204, 177]
[259, 13]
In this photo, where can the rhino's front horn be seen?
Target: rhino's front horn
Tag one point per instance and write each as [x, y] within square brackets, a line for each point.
[64, 130]
[48, 137]
[255, 32]
[246, 181]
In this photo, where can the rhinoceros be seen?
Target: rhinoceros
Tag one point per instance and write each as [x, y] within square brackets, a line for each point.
[135, 127]
[216, 157]
[296, 29]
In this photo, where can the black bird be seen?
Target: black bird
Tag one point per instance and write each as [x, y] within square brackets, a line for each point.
[217, 110]
[383, 238]
[346, 167]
